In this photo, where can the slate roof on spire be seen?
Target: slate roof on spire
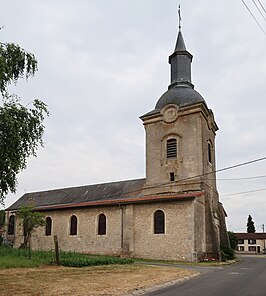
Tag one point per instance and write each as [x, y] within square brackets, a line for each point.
[180, 43]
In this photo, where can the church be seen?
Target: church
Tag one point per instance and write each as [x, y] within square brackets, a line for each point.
[172, 214]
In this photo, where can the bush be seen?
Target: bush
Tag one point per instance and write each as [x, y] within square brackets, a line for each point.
[232, 239]
[80, 260]
[227, 253]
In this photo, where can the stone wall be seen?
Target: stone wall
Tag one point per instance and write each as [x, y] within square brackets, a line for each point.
[130, 231]
[178, 241]
[87, 240]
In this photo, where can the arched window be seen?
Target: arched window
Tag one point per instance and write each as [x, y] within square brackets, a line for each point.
[102, 224]
[171, 148]
[11, 225]
[48, 226]
[73, 225]
[159, 222]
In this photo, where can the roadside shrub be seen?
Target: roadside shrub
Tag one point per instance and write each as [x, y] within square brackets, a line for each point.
[227, 253]
[80, 260]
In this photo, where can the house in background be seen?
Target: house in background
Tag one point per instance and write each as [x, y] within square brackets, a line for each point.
[174, 213]
[251, 242]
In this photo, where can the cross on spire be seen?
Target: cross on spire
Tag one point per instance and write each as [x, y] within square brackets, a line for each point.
[179, 15]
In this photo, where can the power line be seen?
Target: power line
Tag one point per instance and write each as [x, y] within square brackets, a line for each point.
[262, 6]
[193, 177]
[259, 9]
[243, 192]
[242, 178]
[224, 169]
[217, 171]
[253, 17]
[241, 164]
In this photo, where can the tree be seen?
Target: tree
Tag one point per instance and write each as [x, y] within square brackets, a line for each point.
[233, 240]
[250, 225]
[2, 224]
[21, 127]
[2, 218]
[29, 220]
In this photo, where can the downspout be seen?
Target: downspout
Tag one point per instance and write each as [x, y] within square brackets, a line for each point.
[122, 228]
[6, 224]
[194, 255]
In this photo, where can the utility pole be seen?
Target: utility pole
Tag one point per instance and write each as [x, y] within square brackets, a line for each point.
[262, 226]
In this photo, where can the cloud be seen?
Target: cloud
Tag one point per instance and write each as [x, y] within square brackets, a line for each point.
[102, 64]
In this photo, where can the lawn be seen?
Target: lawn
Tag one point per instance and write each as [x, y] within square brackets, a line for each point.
[13, 258]
[40, 276]
[87, 281]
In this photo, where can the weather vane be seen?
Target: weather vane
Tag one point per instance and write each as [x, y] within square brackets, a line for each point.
[179, 14]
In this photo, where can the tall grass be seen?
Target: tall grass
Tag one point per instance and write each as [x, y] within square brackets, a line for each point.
[12, 258]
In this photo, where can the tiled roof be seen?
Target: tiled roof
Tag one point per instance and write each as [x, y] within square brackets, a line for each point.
[256, 235]
[95, 195]
[82, 194]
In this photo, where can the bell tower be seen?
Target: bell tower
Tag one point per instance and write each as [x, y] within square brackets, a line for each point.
[180, 143]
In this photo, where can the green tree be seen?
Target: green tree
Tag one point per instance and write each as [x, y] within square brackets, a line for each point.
[2, 224]
[233, 240]
[2, 218]
[29, 220]
[250, 225]
[21, 127]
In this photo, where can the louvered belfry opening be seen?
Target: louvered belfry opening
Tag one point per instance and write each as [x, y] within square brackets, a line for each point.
[171, 147]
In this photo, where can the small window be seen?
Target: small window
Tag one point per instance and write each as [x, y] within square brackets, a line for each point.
[252, 242]
[48, 226]
[240, 241]
[102, 224]
[172, 177]
[241, 248]
[11, 225]
[209, 153]
[73, 225]
[159, 222]
[252, 249]
[171, 148]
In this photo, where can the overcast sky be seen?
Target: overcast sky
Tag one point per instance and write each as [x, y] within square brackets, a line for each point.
[104, 63]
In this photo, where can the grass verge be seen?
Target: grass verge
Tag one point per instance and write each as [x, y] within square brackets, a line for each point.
[14, 258]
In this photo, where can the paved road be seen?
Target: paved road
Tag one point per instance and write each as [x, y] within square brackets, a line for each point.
[246, 278]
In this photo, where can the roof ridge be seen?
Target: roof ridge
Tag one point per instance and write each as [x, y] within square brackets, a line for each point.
[82, 186]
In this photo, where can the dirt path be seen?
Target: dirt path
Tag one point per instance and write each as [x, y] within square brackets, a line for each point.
[92, 281]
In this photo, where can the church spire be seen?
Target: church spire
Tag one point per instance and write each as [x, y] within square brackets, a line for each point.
[180, 61]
